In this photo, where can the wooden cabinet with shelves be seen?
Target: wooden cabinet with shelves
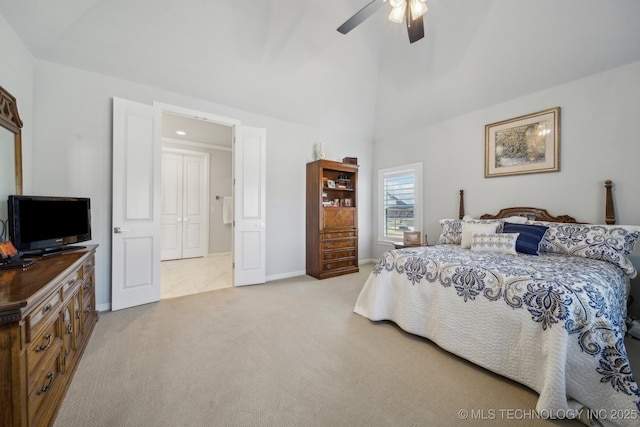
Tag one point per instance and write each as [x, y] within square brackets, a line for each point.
[47, 314]
[332, 219]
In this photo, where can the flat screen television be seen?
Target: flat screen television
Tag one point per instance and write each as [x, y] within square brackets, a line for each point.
[45, 224]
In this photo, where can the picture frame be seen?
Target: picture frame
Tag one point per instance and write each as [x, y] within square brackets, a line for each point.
[523, 145]
[331, 183]
[411, 238]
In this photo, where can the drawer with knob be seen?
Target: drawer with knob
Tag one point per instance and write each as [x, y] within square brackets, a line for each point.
[333, 255]
[71, 284]
[339, 234]
[43, 383]
[338, 244]
[335, 265]
[42, 344]
[43, 313]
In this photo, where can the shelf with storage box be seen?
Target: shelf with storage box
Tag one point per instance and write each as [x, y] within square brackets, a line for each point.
[47, 314]
[332, 219]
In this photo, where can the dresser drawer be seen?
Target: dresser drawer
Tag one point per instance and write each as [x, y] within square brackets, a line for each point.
[43, 384]
[45, 311]
[88, 290]
[333, 255]
[71, 283]
[338, 244]
[42, 345]
[335, 265]
[339, 234]
[87, 268]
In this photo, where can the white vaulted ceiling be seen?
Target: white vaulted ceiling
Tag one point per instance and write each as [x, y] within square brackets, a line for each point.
[284, 58]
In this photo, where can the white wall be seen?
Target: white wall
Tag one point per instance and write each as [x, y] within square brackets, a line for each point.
[72, 156]
[600, 140]
[16, 76]
[221, 235]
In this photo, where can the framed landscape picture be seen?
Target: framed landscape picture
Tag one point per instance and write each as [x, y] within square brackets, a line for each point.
[525, 144]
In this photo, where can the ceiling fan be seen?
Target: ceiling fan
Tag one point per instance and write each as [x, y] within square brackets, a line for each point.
[409, 10]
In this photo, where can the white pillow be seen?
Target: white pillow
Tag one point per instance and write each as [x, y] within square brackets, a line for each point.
[468, 230]
[501, 243]
[516, 219]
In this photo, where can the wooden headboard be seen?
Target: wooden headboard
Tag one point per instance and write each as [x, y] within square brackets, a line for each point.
[538, 214]
[534, 214]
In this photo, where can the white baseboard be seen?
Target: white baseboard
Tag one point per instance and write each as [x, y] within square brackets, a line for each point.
[285, 275]
[219, 254]
[107, 306]
[103, 307]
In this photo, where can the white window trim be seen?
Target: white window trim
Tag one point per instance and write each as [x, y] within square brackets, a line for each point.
[413, 168]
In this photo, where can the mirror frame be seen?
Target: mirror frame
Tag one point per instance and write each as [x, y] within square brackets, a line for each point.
[10, 120]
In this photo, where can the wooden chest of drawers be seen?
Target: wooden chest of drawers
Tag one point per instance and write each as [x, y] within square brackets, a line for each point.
[339, 251]
[47, 314]
[332, 219]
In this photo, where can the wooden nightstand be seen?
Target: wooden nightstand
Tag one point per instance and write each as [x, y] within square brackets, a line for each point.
[402, 246]
[411, 239]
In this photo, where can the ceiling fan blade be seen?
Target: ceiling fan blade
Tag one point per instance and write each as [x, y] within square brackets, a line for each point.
[359, 17]
[415, 28]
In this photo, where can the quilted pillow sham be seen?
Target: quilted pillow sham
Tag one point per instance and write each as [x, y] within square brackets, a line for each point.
[451, 232]
[452, 229]
[469, 229]
[611, 243]
[502, 243]
[529, 238]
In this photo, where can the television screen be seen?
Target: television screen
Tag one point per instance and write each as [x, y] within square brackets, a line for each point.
[41, 223]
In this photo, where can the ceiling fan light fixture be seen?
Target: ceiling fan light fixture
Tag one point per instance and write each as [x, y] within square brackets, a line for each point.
[397, 13]
[418, 8]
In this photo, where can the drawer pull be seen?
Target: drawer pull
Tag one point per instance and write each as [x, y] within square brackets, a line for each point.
[78, 313]
[69, 328]
[86, 286]
[47, 309]
[71, 282]
[44, 347]
[48, 386]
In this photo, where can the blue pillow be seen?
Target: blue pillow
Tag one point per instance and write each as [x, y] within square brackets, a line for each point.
[529, 238]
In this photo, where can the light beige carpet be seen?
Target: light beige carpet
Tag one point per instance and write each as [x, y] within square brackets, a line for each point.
[287, 353]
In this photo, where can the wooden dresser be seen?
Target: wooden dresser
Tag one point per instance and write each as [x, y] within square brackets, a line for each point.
[47, 314]
[332, 219]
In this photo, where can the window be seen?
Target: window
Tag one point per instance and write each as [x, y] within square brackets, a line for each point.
[399, 201]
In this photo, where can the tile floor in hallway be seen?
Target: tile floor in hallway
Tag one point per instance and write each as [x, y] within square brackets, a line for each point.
[194, 275]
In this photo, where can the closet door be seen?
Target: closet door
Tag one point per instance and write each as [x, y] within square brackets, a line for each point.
[194, 205]
[171, 206]
[184, 205]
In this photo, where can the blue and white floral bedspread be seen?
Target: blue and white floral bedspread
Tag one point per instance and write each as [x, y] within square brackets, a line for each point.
[554, 323]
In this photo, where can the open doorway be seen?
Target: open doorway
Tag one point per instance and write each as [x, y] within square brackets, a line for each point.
[196, 195]
[136, 201]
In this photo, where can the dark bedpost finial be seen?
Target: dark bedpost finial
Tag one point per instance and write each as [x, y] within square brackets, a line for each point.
[609, 212]
[461, 209]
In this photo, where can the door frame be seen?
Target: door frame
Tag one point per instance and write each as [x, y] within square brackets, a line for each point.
[161, 108]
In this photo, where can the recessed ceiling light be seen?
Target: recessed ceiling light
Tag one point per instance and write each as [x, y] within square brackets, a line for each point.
[181, 132]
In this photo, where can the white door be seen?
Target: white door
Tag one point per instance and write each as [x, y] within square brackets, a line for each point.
[249, 161]
[185, 199]
[135, 266]
[195, 206]
[171, 206]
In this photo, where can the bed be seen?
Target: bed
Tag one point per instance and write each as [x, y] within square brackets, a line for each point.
[552, 320]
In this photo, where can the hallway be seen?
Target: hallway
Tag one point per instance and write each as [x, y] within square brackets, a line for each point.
[195, 275]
